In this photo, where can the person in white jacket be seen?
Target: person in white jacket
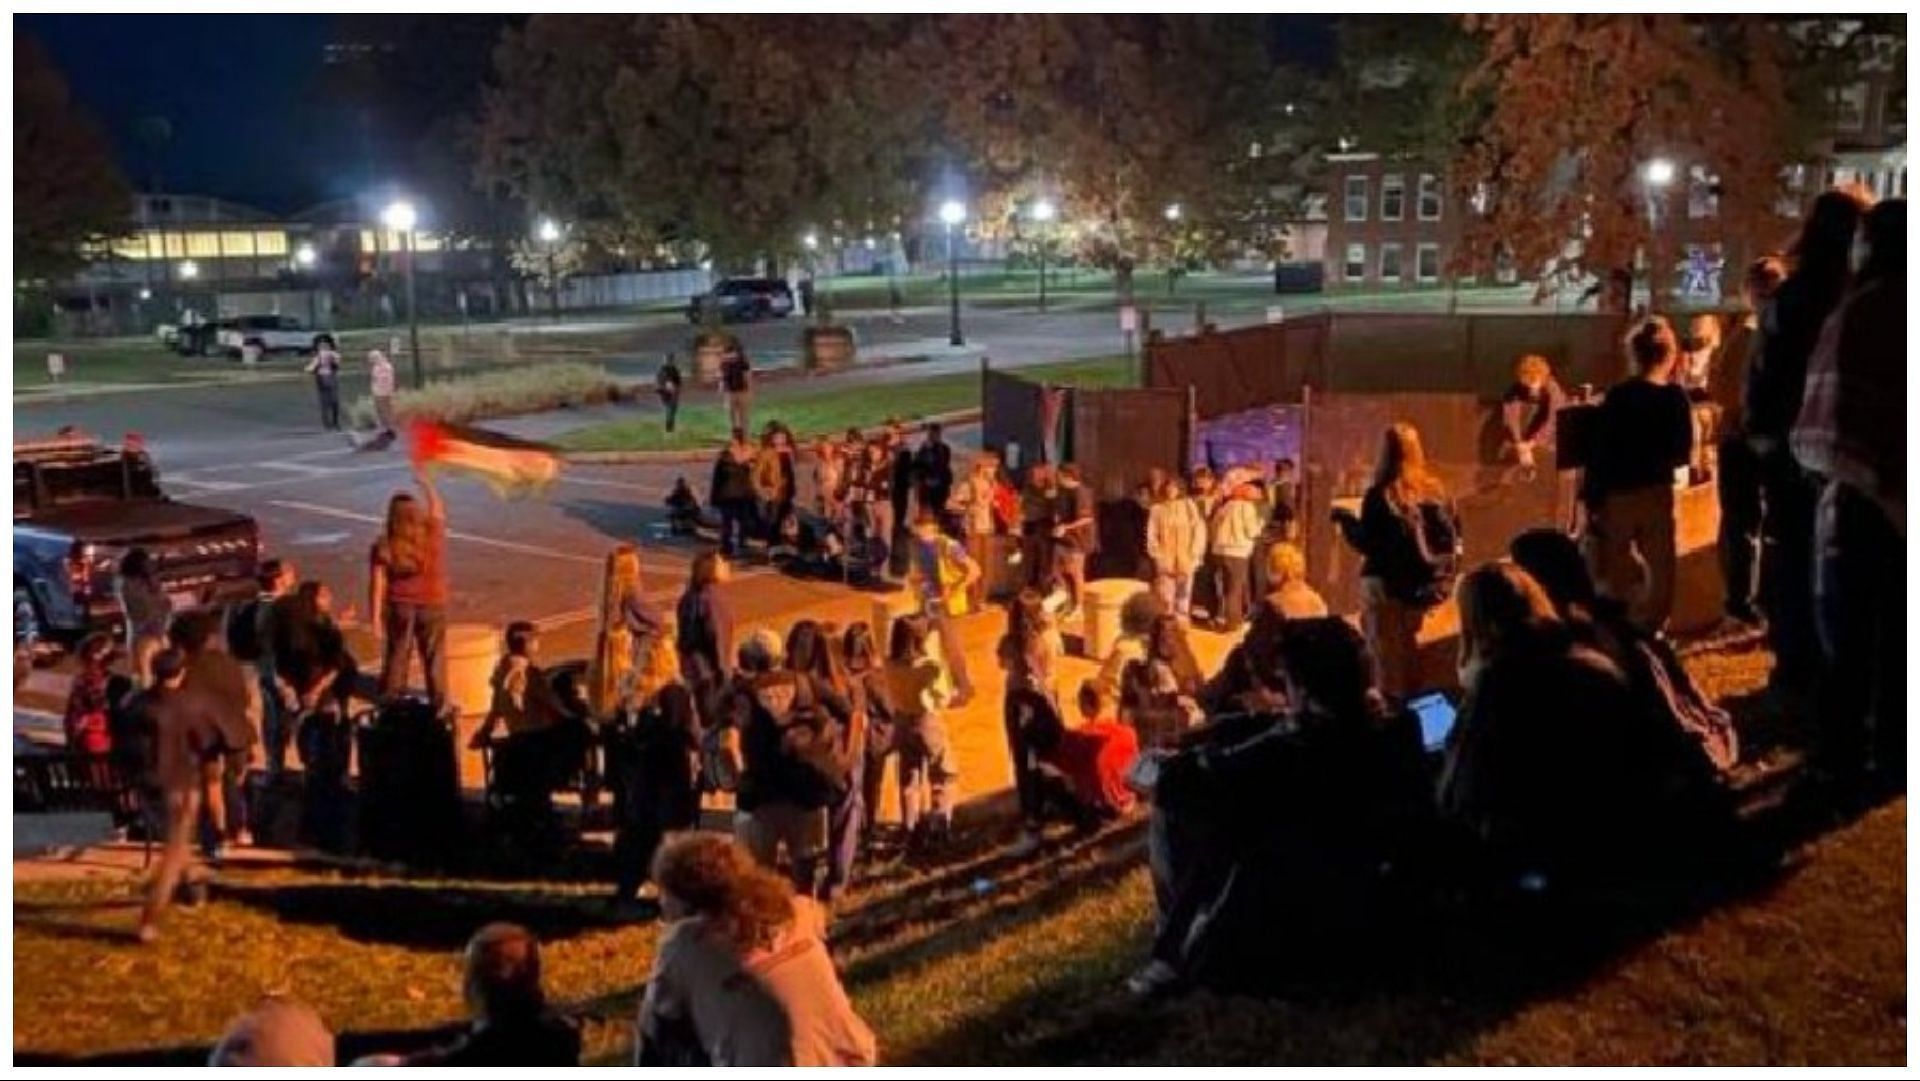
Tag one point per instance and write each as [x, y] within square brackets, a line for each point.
[1177, 544]
[1231, 534]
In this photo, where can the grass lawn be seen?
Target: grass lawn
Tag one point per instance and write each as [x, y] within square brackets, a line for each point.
[987, 960]
[120, 361]
[818, 406]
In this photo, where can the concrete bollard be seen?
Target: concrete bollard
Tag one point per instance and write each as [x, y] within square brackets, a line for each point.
[473, 649]
[1101, 601]
[886, 608]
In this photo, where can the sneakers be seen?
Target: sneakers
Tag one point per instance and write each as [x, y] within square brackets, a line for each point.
[1157, 980]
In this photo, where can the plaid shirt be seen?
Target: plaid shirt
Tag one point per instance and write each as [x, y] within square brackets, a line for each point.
[1852, 424]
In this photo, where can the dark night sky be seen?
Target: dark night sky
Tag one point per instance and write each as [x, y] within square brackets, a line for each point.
[243, 95]
[246, 96]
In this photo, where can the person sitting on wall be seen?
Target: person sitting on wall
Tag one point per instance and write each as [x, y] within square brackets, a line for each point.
[683, 509]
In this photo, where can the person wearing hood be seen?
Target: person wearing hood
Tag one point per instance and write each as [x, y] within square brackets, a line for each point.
[1232, 531]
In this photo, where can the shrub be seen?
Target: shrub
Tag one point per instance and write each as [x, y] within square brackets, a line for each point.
[462, 399]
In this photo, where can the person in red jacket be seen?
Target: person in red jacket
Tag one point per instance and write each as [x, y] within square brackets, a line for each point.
[1087, 766]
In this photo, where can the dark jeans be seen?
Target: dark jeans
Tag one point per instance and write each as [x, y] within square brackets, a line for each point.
[844, 820]
[276, 722]
[411, 626]
[1861, 598]
[1189, 862]
[329, 404]
[1018, 712]
[736, 525]
[1036, 556]
[1230, 590]
[670, 404]
[645, 820]
[1738, 481]
[1786, 572]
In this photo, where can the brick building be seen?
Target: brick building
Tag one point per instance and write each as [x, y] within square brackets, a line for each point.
[1389, 223]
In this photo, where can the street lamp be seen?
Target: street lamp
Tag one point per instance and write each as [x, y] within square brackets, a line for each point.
[304, 256]
[1042, 212]
[952, 213]
[402, 218]
[1173, 212]
[189, 270]
[1655, 177]
[550, 236]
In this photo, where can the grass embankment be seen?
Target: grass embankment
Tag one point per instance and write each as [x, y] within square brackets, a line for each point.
[502, 393]
[994, 961]
[833, 404]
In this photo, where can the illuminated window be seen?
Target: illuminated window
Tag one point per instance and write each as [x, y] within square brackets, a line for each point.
[236, 244]
[134, 247]
[1393, 198]
[1356, 268]
[203, 245]
[176, 245]
[270, 243]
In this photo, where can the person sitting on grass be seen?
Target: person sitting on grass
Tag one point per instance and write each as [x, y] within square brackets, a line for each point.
[1284, 830]
[511, 1023]
[742, 977]
[1083, 769]
[1159, 693]
[683, 509]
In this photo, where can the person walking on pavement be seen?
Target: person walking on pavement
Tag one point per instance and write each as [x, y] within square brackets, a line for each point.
[380, 385]
[325, 369]
[943, 575]
[186, 762]
[666, 383]
[736, 386]
[408, 590]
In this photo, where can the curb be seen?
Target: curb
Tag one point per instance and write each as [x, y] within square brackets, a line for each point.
[958, 417]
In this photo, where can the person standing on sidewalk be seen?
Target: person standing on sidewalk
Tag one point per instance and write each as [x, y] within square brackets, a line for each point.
[380, 386]
[1177, 545]
[942, 577]
[933, 473]
[408, 591]
[736, 386]
[1737, 469]
[325, 369]
[1648, 426]
[1076, 534]
[1231, 533]
[666, 383]
[186, 762]
[972, 502]
[732, 493]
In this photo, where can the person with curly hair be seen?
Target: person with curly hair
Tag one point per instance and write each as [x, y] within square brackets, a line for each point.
[742, 977]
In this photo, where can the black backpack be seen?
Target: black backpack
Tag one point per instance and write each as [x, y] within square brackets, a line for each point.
[1434, 564]
[243, 631]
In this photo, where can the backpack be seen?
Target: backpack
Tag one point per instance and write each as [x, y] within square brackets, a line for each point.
[243, 631]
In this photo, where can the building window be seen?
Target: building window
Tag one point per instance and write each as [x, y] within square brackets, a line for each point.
[1429, 197]
[1356, 268]
[1426, 262]
[1703, 195]
[203, 245]
[1389, 262]
[1393, 198]
[270, 243]
[1356, 198]
[236, 244]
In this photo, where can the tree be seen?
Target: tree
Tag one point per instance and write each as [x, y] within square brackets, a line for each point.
[1575, 108]
[68, 192]
[738, 132]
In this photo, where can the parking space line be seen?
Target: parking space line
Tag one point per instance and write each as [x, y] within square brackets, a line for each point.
[470, 538]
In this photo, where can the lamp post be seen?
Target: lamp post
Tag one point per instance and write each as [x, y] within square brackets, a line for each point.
[550, 236]
[304, 258]
[401, 217]
[1655, 178]
[952, 213]
[1172, 214]
[1042, 213]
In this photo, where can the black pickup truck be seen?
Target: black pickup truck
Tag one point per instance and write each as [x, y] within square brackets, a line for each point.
[79, 505]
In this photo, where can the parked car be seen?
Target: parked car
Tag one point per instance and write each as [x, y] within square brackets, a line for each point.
[195, 338]
[737, 299]
[79, 506]
[269, 333]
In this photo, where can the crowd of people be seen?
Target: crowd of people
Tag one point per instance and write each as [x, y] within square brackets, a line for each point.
[1289, 793]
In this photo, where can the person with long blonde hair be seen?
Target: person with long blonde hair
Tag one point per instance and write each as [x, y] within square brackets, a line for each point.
[742, 976]
[1408, 536]
[408, 590]
[631, 627]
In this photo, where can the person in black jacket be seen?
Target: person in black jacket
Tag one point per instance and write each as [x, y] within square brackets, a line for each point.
[790, 770]
[900, 481]
[652, 757]
[733, 495]
[1647, 426]
[1408, 536]
[1264, 827]
[512, 1025]
[933, 474]
[1776, 384]
[666, 383]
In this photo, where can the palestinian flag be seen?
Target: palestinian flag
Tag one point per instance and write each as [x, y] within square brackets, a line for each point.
[511, 467]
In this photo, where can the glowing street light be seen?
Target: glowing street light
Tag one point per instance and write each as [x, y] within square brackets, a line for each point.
[811, 240]
[1173, 212]
[549, 233]
[305, 256]
[402, 218]
[952, 213]
[189, 270]
[1042, 212]
[1660, 172]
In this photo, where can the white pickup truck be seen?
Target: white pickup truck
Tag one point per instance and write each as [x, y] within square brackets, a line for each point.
[270, 333]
